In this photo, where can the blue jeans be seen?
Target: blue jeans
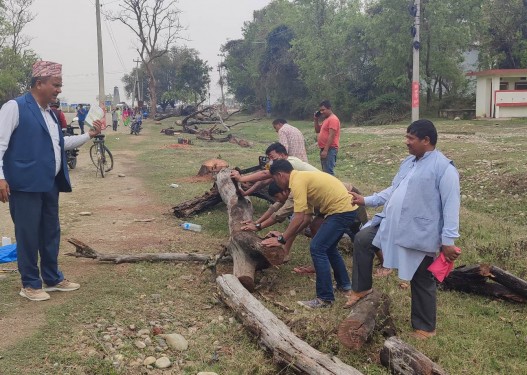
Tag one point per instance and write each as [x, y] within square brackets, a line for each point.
[325, 255]
[328, 164]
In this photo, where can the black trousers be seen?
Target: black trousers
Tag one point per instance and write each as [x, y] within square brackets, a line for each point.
[423, 285]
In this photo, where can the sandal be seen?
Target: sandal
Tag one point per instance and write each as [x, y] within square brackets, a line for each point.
[422, 335]
[382, 272]
[304, 270]
[355, 297]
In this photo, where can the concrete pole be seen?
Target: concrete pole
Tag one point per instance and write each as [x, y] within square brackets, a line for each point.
[102, 95]
[415, 70]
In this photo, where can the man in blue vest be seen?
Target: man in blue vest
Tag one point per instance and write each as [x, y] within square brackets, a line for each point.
[420, 217]
[33, 172]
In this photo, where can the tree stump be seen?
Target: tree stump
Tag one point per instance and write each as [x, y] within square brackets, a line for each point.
[212, 166]
[401, 358]
[247, 253]
[367, 315]
[286, 348]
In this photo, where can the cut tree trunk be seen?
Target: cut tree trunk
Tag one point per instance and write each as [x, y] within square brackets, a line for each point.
[505, 278]
[211, 166]
[198, 204]
[403, 359]
[287, 349]
[471, 279]
[247, 253]
[369, 314]
[84, 251]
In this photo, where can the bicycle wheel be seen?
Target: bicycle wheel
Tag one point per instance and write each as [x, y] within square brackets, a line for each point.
[100, 159]
[72, 163]
[108, 160]
[93, 155]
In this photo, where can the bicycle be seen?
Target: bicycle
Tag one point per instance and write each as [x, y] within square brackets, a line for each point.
[101, 156]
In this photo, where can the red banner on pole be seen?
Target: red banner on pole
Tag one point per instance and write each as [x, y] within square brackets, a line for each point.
[415, 94]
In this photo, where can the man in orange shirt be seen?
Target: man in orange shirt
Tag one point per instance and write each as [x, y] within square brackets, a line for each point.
[328, 136]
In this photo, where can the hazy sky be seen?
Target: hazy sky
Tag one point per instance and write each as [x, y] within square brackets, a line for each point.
[64, 31]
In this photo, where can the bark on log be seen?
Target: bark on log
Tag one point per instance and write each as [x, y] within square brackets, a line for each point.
[84, 251]
[286, 348]
[471, 279]
[505, 278]
[369, 314]
[401, 358]
[198, 204]
[247, 253]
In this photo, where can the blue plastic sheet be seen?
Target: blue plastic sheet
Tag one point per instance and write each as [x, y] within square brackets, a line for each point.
[8, 253]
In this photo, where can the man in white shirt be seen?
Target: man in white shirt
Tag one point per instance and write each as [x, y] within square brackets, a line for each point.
[33, 172]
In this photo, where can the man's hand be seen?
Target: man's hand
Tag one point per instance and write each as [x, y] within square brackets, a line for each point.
[323, 154]
[245, 222]
[451, 252]
[357, 199]
[96, 129]
[250, 227]
[271, 242]
[273, 233]
[4, 191]
[236, 175]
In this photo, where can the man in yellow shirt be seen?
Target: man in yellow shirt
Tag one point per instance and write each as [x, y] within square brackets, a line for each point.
[328, 194]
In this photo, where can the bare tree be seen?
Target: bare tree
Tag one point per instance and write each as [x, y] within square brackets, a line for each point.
[17, 16]
[156, 25]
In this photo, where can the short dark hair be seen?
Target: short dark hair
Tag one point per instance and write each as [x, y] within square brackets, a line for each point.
[423, 128]
[281, 165]
[276, 147]
[326, 104]
[274, 189]
[280, 121]
[34, 80]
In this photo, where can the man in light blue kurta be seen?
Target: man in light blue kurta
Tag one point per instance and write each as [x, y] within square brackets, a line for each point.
[420, 217]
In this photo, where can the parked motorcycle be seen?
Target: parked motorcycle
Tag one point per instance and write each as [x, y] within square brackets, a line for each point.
[136, 127]
[71, 155]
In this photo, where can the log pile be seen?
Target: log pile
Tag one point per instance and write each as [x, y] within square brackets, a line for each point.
[286, 348]
[475, 279]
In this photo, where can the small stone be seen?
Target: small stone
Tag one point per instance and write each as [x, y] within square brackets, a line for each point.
[163, 362]
[132, 327]
[118, 357]
[85, 213]
[221, 318]
[144, 331]
[120, 174]
[206, 373]
[107, 337]
[232, 320]
[140, 344]
[292, 293]
[176, 341]
[148, 341]
[149, 361]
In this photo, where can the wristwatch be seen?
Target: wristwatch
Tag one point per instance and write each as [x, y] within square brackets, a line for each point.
[281, 239]
[258, 226]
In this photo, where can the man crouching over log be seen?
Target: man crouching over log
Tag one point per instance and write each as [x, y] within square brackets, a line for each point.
[322, 190]
[420, 217]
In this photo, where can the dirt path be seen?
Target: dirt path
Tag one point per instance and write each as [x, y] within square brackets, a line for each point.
[114, 203]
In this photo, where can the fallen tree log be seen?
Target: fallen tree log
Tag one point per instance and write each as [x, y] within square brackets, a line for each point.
[247, 253]
[84, 251]
[198, 204]
[286, 348]
[403, 359]
[471, 279]
[505, 278]
[371, 313]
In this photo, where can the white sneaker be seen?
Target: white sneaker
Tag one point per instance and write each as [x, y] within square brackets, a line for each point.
[63, 286]
[34, 294]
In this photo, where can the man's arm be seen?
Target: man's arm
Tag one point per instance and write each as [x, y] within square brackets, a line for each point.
[8, 122]
[331, 138]
[253, 177]
[256, 187]
[292, 228]
[74, 141]
[317, 124]
[451, 201]
[283, 140]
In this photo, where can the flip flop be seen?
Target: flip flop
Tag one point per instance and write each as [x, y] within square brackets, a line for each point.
[382, 272]
[355, 297]
[304, 270]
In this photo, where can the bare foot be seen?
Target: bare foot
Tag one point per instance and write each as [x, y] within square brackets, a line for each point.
[382, 272]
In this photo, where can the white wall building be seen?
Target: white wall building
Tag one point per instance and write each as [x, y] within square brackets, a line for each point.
[501, 93]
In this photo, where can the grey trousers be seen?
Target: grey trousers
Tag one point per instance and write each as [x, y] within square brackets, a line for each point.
[423, 285]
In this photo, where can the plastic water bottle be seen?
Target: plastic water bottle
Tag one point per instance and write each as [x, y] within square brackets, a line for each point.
[192, 227]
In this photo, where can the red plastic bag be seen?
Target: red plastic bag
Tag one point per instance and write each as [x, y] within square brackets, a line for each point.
[441, 267]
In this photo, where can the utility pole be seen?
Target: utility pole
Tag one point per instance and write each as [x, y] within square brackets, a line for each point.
[220, 71]
[415, 11]
[136, 84]
[102, 95]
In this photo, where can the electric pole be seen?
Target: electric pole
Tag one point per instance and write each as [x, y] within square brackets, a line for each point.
[102, 95]
[136, 84]
[415, 11]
